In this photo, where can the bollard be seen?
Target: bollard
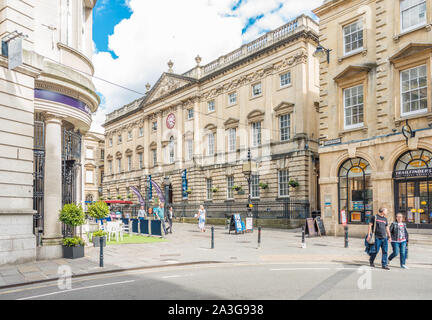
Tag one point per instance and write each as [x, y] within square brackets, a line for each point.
[346, 236]
[101, 242]
[212, 237]
[303, 237]
[259, 237]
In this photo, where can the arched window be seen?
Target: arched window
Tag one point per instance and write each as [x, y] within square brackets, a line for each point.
[171, 149]
[355, 190]
[413, 160]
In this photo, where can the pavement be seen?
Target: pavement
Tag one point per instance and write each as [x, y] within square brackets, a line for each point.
[188, 246]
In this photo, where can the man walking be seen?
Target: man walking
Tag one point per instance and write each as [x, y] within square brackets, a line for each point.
[382, 236]
[160, 213]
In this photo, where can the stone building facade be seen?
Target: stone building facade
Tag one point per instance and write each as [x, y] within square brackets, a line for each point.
[45, 106]
[94, 155]
[262, 96]
[375, 121]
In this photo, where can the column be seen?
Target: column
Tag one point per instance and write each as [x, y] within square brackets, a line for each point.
[146, 145]
[52, 237]
[180, 141]
[197, 134]
[159, 138]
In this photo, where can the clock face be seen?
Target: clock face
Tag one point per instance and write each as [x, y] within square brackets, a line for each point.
[406, 131]
[170, 121]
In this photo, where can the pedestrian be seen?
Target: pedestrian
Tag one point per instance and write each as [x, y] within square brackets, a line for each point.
[169, 218]
[160, 215]
[382, 236]
[142, 213]
[201, 218]
[399, 236]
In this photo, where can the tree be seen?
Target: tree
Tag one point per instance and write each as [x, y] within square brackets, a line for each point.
[98, 210]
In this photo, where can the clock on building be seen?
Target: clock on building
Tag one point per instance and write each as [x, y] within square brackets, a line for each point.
[170, 121]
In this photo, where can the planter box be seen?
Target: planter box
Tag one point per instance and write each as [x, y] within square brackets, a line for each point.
[96, 241]
[73, 252]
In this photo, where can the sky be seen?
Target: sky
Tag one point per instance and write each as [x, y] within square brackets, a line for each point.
[134, 39]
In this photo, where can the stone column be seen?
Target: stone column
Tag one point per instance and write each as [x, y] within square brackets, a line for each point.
[147, 154]
[51, 240]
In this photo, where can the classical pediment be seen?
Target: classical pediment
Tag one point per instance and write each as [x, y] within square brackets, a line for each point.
[166, 84]
[284, 107]
[409, 50]
[255, 116]
[352, 71]
[231, 123]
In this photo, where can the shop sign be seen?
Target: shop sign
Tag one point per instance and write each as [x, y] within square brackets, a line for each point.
[332, 142]
[412, 173]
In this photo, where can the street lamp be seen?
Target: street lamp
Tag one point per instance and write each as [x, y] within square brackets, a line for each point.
[247, 171]
[321, 52]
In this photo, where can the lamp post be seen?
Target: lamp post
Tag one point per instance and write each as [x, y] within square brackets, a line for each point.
[321, 52]
[247, 171]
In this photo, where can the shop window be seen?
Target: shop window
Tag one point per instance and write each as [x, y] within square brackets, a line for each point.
[355, 190]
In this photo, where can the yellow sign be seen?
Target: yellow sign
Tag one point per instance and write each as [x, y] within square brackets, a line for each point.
[251, 206]
[423, 203]
[417, 163]
[421, 210]
[413, 210]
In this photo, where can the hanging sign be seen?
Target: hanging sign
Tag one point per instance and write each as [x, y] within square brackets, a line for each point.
[184, 184]
[12, 48]
[149, 188]
[412, 173]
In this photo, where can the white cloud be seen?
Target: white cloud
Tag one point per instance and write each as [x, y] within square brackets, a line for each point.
[158, 31]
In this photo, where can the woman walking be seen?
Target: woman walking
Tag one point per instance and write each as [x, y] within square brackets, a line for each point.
[399, 235]
[201, 218]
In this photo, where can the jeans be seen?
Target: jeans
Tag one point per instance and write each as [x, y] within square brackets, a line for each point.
[399, 247]
[383, 244]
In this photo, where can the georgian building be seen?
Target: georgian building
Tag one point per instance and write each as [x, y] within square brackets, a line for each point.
[375, 111]
[262, 96]
[94, 155]
[45, 106]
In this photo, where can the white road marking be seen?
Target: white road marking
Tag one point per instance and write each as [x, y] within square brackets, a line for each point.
[174, 276]
[298, 269]
[76, 289]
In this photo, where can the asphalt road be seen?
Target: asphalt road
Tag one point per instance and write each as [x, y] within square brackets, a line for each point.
[240, 281]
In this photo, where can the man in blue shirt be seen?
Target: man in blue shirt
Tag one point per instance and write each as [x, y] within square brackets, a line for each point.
[160, 214]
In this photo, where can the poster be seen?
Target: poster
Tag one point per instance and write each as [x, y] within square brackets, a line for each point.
[343, 217]
[249, 224]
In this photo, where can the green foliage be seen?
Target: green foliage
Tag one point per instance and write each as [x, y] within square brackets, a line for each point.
[119, 197]
[99, 233]
[109, 198]
[236, 187]
[72, 215]
[263, 185]
[293, 183]
[98, 210]
[129, 196]
[73, 242]
[214, 189]
[102, 198]
[189, 191]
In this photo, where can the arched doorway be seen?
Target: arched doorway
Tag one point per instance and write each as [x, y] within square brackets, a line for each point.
[412, 177]
[355, 190]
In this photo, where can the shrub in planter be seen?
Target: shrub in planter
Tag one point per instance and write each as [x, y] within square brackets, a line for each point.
[129, 196]
[293, 183]
[72, 216]
[263, 185]
[98, 210]
[73, 248]
[189, 191]
[96, 238]
[214, 189]
[119, 197]
[236, 187]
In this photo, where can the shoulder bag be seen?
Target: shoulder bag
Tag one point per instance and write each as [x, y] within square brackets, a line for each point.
[372, 237]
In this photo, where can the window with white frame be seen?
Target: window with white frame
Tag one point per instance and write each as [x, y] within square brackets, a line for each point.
[154, 125]
[171, 149]
[189, 150]
[129, 163]
[353, 107]
[211, 106]
[119, 165]
[140, 160]
[209, 189]
[256, 134]
[130, 135]
[230, 184]
[102, 154]
[232, 137]
[285, 79]
[284, 127]
[141, 131]
[190, 114]
[89, 176]
[413, 14]
[255, 192]
[256, 89]
[413, 90]
[154, 155]
[119, 138]
[211, 144]
[283, 185]
[232, 98]
[353, 37]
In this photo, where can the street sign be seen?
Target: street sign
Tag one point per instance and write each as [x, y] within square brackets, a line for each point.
[14, 53]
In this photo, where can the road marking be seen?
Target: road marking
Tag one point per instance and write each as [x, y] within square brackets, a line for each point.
[295, 269]
[174, 276]
[76, 289]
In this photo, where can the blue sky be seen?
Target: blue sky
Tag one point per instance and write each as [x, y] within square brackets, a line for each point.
[134, 39]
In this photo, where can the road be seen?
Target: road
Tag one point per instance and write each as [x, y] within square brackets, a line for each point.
[240, 281]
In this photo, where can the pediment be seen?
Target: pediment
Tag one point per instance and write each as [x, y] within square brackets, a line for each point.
[118, 155]
[166, 84]
[255, 116]
[409, 50]
[139, 148]
[284, 107]
[211, 127]
[352, 71]
[188, 134]
[109, 157]
[231, 122]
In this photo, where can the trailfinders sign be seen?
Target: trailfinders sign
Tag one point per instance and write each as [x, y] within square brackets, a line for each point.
[412, 173]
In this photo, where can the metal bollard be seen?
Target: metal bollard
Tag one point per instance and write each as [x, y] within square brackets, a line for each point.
[303, 237]
[212, 237]
[346, 236]
[259, 237]
[101, 242]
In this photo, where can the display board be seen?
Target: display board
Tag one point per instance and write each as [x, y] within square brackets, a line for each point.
[320, 226]
[310, 227]
[249, 224]
[235, 223]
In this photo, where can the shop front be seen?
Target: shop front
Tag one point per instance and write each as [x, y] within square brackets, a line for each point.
[412, 178]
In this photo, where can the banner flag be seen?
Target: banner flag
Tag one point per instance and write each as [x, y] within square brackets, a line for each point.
[158, 191]
[138, 194]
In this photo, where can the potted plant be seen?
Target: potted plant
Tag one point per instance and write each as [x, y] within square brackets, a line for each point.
[98, 210]
[97, 235]
[119, 197]
[73, 248]
[214, 189]
[293, 183]
[189, 191]
[129, 196]
[236, 187]
[263, 185]
[72, 216]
